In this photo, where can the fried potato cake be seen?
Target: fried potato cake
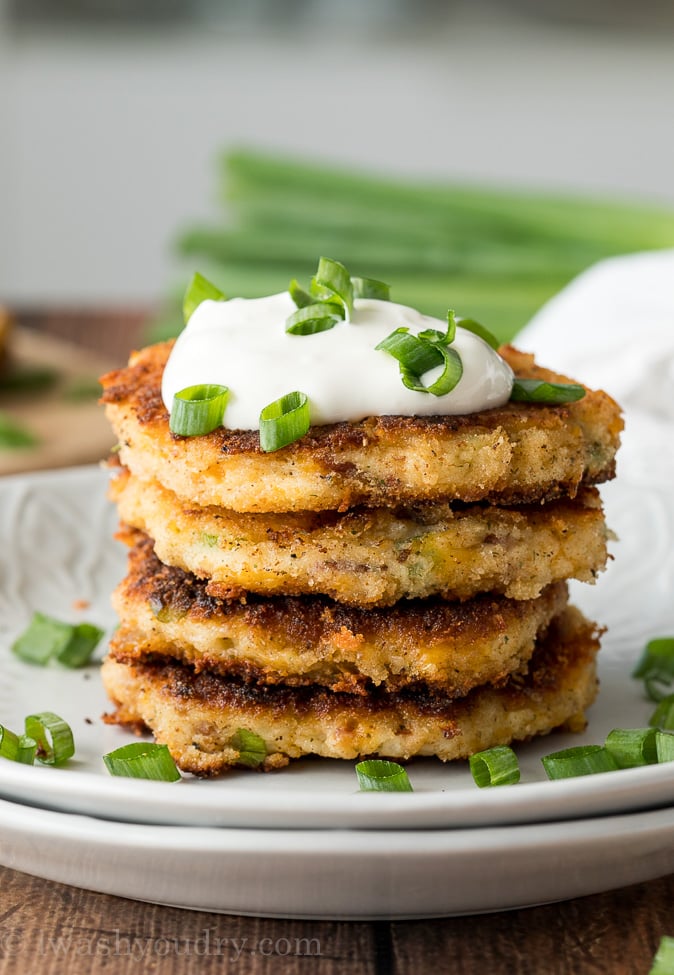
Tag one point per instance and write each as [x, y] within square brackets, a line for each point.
[197, 714]
[514, 454]
[313, 640]
[372, 557]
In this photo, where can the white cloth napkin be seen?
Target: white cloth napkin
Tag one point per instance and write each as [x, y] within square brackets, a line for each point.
[613, 328]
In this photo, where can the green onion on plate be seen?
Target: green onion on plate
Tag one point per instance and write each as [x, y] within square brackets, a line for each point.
[53, 736]
[581, 760]
[378, 775]
[47, 638]
[656, 667]
[495, 766]
[142, 760]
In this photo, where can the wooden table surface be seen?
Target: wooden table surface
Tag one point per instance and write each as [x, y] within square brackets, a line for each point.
[50, 928]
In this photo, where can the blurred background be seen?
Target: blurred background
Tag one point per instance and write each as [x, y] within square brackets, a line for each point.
[473, 154]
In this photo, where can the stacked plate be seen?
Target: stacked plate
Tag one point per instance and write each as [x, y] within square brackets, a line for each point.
[304, 842]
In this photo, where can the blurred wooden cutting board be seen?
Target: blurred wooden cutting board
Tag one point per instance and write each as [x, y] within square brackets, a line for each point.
[70, 428]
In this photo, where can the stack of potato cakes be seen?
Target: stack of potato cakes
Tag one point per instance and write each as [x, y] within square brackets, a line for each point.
[392, 587]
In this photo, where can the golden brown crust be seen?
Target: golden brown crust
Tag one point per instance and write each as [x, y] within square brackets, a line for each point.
[313, 640]
[197, 715]
[517, 453]
[373, 557]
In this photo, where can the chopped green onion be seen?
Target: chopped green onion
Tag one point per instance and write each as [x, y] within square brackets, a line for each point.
[199, 289]
[663, 963]
[441, 338]
[472, 326]
[663, 716]
[142, 760]
[418, 354]
[284, 421]
[198, 410]
[301, 297]
[632, 747]
[314, 318]
[446, 381]
[664, 744]
[333, 277]
[14, 435]
[414, 355]
[47, 638]
[495, 766]
[377, 775]
[84, 639]
[27, 750]
[9, 744]
[53, 736]
[44, 638]
[370, 288]
[251, 748]
[581, 760]
[656, 667]
[551, 394]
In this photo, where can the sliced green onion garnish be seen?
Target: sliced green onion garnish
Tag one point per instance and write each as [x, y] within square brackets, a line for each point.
[442, 338]
[333, 278]
[314, 318]
[199, 289]
[663, 716]
[284, 421]
[414, 355]
[27, 750]
[198, 410]
[84, 639]
[142, 760]
[446, 381]
[656, 667]
[43, 639]
[14, 435]
[495, 766]
[378, 775]
[53, 736]
[551, 394]
[663, 963]
[632, 747]
[370, 288]
[46, 638]
[472, 326]
[301, 297]
[581, 760]
[251, 748]
[9, 744]
[417, 356]
[664, 745]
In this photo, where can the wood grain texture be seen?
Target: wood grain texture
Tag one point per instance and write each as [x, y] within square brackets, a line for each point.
[615, 933]
[48, 929]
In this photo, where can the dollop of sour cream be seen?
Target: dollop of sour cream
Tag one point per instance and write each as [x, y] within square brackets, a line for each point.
[242, 343]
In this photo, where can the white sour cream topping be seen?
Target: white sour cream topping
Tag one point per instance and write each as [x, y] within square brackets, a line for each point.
[242, 343]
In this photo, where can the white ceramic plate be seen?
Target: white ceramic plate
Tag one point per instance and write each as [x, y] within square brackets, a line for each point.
[56, 539]
[340, 874]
